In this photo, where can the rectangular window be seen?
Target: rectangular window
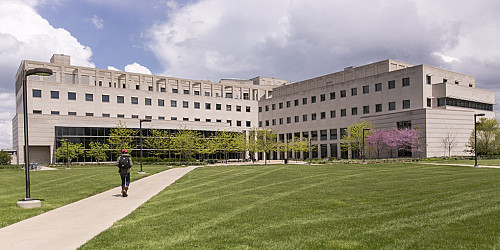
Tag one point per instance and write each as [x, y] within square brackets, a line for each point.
[208, 105]
[392, 105]
[238, 108]
[186, 92]
[445, 80]
[71, 113]
[173, 103]
[313, 116]
[246, 96]
[120, 99]
[280, 105]
[89, 97]
[196, 105]
[289, 120]
[406, 104]
[313, 99]
[162, 89]
[161, 117]
[378, 87]
[323, 115]
[135, 116]
[333, 150]
[137, 87]
[378, 107]
[281, 121]
[333, 134]
[304, 101]
[150, 88]
[218, 106]
[322, 98]
[273, 106]
[267, 123]
[134, 100]
[54, 94]
[332, 95]
[238, 123]
[314, 135]
[161, 102]
[429, 102]
[428, 79]
[71, 95]
[366, 109]
[343, 132]
[37, 112]
[248, 123]
[120, 115]
[296, 118]
[147, 101]
[148, 117]
[296, 102]
[173, 118]
[391, 84]
[186, 119]
[441, 101]
[228, 107]
[53, 112]
[406, 81]
[260, 109]
[229, 95]
[175, 91]
[247, 108]
[196, 92]
[288, 104]
[343, 112]
[333, 114]
[89, 114]
[304, 118]
[208, 94]
[266, 108]
[208, 120]
[354, 91]
[105, 98]
[185, 104]
[273, 122]
[366, 89]
[343, 94]
[323, 135]
[354, 111]
[403, 124]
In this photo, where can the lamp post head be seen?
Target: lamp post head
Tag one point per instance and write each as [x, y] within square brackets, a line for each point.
[145, 120]
[39, 72]
[476, 115]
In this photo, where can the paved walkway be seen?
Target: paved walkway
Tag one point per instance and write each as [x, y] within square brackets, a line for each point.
[463, 165]
[70, 226]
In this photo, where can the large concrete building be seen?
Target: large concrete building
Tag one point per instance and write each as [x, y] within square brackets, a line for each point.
[81, 104]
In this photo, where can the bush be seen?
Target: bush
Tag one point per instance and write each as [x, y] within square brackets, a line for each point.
[5, 158]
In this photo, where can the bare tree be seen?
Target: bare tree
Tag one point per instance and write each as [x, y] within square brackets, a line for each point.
[449, 141]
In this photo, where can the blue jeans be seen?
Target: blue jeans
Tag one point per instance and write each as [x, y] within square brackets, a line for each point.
[125, 180]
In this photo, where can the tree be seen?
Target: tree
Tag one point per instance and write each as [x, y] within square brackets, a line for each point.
[98, 151]
[184, 142]
[121, 137]
[5, 158]
[299, 144]
[68, 151]
[157, 141]
[207, 146]
[488, 137]
[266, 142]
[376, 140]
[252, 145]
[353, 138]
[239, 143]
[223, 142]
[449, 141]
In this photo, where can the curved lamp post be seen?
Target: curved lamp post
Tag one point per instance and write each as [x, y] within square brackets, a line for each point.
[26, 73]
[140, 132]
[475, 139]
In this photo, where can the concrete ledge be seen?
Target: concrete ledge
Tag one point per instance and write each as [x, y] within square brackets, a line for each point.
[29, 204]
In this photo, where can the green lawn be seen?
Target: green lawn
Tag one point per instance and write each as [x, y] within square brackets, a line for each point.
[484, 162]
[401, 205]
[56, 188]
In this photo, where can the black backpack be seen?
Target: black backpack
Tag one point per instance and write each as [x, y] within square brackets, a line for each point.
[124, 162]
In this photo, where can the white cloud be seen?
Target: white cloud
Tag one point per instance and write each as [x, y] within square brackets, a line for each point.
[113, 68]
[137, 68]
[97, 22]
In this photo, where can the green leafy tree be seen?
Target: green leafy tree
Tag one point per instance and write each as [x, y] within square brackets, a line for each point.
[266, 142]
[252, 145]
[299, 144]
[239, 143]
[223, 142]
[207, 146]
[5, 158]
[98, 151]
[353, 138]
[184, 142]
[157, 141]
[488, 137]
[121, 137]
[68, 151]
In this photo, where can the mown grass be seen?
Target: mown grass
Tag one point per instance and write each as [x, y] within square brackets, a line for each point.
[483, 162]
[56, 188]
[400, 205]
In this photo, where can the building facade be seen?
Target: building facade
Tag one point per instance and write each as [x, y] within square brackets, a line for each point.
[81, 104]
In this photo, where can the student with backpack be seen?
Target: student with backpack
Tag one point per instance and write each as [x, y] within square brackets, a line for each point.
[124, 164]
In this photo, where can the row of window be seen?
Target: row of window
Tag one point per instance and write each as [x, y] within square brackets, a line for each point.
[147, 101]
[323, 135]
[343, 112]
[343, 93]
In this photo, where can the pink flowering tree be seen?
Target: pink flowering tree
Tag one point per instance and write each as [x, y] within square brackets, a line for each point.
[375, 140]
[395, 140]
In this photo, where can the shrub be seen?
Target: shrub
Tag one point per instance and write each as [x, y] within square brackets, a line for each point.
[5, 158]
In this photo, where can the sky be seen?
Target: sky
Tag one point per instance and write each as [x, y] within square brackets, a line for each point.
[292, 40]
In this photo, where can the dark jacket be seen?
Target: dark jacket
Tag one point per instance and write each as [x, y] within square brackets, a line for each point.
[124, 170]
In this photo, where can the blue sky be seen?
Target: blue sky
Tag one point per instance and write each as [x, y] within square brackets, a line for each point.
[213, 39]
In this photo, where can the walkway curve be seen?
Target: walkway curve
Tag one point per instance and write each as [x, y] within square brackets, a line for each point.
[72, 225]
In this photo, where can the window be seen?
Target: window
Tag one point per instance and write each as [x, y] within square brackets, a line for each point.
[273, 122]
[208, 105]
[354, 91]
[53, 112]
[322, 98]
[343, 132]
[218, 106]
[229, 95]
[354, 111]
[196, 105]
[266, 108]
[238, 123]
[185, 104]
[134, 100]
[267, 123]
[273, 106]
[296, 118]
[147, 101]
[231, 122]
[54, 94]
[391, 84]
[186, 91]
[71, 96]
[248, 123]
[445, 80]
[280, 105]
[89, 97]
[208, 120]
[37, 112]
[173, 103]
[378, 87]
[137, 87]
[161, 102]
[332, 95]
[343, 112]
[161, 117]
[403, 124]
[366, 109]
[120, 99]
[332, 114]
[135, 116]
[281, 121]
[105, 98]
[323, 115]
[238, 108]
[305, 134]
[173, 118]
[289, 120]
[186, 119]
[342, 94]
[428, 79]
[313, 99]
[304, 118]
[175, 91]
[89, 114]
[288, 104]
[366, 89]
[304, 101]
[246, 96]
[323, 135]
[314, 135]
[162, 89]
[120, 115]
[378, 107]
[406, 104]
[429, 102]
[196, 92]
[392, 105]
[406, 81]
[260, 109]
[150, 88]
[457, 82]
[296, 102]
[247, 108]
[313, 116]
[208, 94]
[228, 107]
[71, 113]
[148, 117]
[333, 134]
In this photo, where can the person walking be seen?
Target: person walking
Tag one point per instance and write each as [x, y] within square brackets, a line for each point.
[124, 164]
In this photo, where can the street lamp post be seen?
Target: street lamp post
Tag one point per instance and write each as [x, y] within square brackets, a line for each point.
[475, 138]
[364, 158]
[26, 73]
[140, 132]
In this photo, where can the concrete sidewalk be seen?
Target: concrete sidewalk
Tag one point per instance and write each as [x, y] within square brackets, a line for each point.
[453, 164]
[70, 226]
